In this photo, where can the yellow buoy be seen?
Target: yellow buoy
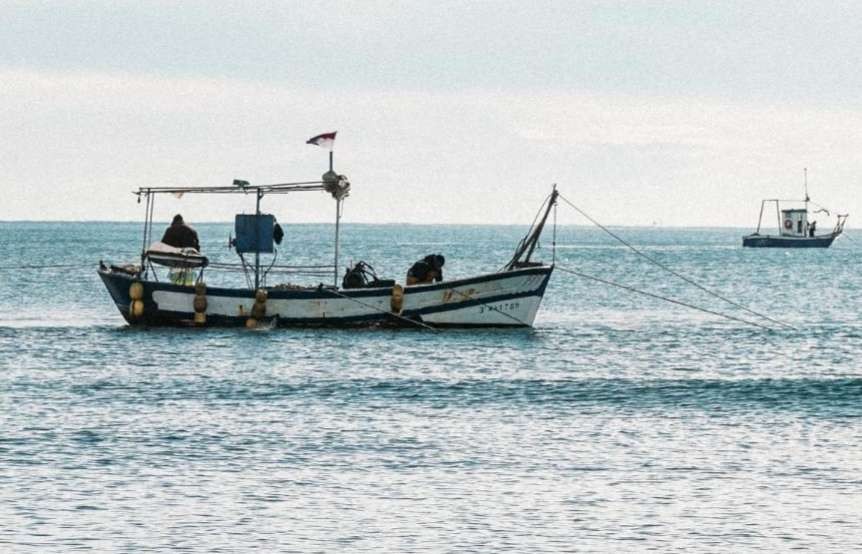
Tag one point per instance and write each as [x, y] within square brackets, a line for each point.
[200, 288]
[136, 291]
[260, 295]
[200, 304]
[200, 318]
[137, 308]
[397, 300]
[258, 310]
[251, 323]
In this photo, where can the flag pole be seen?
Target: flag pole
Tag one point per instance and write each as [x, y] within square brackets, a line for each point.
[337, 225]
[331, 184]
[337, 228]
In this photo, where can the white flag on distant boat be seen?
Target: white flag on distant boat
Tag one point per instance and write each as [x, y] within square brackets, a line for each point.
[326, 140]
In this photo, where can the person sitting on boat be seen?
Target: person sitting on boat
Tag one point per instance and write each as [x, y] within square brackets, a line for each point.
[811, 229]
[427, 270]
[181, 235]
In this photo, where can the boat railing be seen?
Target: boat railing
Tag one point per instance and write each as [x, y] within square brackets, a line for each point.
[312, 270]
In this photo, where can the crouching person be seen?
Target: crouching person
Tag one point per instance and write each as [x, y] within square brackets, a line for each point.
[427, 270]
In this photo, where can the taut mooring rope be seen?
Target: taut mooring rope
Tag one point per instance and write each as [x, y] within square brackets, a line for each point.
[490, 307]
[671, 271]
[660, 297]
[397, 316]
[47, 266]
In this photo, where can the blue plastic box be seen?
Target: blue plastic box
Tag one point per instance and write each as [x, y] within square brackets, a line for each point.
[254, 233]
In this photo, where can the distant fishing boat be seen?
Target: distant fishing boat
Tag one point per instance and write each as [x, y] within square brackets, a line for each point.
[168, 287]
[794, 228]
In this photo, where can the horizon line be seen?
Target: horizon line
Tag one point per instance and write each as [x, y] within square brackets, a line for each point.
[401, 223]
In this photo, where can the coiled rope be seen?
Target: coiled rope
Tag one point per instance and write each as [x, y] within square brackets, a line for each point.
[673, 272]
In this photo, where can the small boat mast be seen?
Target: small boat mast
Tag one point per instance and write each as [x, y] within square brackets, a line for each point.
[528, 244]
[793, 226]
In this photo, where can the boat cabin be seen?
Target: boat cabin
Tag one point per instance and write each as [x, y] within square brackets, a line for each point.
[794, 223]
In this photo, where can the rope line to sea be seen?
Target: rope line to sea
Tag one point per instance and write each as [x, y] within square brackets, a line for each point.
[660, 297]
[670, 270]
[46, 266]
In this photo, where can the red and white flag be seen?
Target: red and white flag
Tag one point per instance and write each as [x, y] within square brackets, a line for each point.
[326, 140]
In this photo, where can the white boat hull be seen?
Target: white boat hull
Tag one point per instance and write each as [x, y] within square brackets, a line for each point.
[505, 299]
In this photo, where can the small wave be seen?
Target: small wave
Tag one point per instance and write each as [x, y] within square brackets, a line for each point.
[835, 396]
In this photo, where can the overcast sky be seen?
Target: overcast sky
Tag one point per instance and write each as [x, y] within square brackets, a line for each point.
[455, 112]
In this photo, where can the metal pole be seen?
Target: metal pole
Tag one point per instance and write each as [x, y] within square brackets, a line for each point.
[554, 242]
[337, 228]
[257, 242]
[149, 231]
[150, 221]
[144, 238]
[759, 219]
[805, 171]
[778, 215]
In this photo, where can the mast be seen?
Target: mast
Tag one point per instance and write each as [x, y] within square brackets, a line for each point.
[257, 249]
[528, 244]
[760, 219]
[338, 187]
[337, 225]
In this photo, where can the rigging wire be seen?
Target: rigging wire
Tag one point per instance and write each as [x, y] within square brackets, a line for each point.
[671, 271]
[530, 230]
[660, 297]
[397, 316]
[490, 307]
[47, 266]
[554, 240]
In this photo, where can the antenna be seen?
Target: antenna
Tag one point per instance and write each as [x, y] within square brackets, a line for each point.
[805, 170]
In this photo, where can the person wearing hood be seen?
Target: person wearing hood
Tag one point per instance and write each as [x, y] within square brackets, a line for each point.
[180, 235]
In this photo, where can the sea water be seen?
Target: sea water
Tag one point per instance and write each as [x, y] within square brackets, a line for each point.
[619, 423]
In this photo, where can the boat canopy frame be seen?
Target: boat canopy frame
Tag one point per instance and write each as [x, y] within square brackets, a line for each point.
[837, 230]
[337, 185]
[839, 225]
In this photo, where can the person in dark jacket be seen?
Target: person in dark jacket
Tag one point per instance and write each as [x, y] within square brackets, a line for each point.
[181, 235]
[427, 270]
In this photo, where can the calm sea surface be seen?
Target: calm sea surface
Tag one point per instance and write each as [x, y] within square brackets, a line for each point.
[619, 423]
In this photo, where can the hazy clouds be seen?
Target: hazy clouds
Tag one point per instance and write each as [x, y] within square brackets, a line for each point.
[454, 113]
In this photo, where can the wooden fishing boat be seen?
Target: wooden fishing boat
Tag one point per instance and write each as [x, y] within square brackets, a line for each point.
[144, 295]
[794, 228]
